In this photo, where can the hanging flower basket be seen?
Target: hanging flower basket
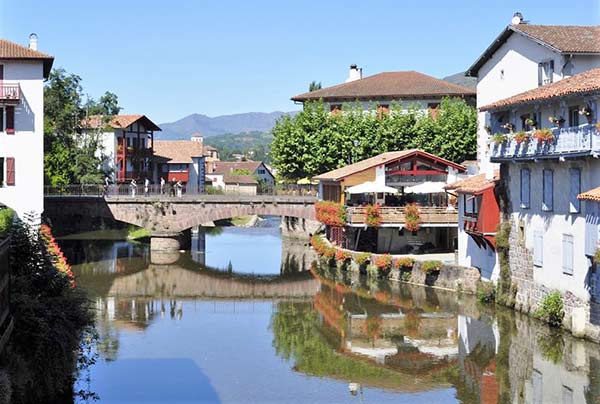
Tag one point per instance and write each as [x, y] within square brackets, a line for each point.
[383, 262]
[521, 137]
[500, 138]
[330, 213]
[509, 126]
[373, 215]
[557, 120]
[544, 136]
[412, 218]
[531, 122]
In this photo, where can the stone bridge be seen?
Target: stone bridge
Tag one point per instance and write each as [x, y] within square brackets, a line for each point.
[168, 217]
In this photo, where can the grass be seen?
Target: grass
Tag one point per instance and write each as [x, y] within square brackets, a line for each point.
[136, 233]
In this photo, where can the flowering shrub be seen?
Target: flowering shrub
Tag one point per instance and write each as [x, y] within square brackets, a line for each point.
[330, 213]
[56, 255]
[411, 216]
[383, 262]
[531, 122]
[403, 263]
[499, 138]
[362, 258]
[373, 215]
[544, 135]
[431, 266]
[557, 120]
[521, 137]
[342, 255]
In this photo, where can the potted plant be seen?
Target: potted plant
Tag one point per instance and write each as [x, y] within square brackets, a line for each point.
[556, 120]
[404, 266]
[330, 213]
[431, 270]
[521, 137]
[362, 260]
[544, 136]
[342, 257]
[499, 138]
[383, 263]
[531, 122]
[509, 126]
[373, 215]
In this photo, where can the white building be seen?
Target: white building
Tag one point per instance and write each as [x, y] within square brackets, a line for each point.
[180, 160]
[22, 73]
[217, 170]
[409, 89]
[126, 143]
[537, 95]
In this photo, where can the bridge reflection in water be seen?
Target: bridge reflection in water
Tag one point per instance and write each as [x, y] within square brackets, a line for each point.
[397, 339]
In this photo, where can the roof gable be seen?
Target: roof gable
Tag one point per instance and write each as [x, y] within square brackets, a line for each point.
[575, 39]
[14, 51]
[389, 85]
[177, 151]
[118, 122]
[226, 167]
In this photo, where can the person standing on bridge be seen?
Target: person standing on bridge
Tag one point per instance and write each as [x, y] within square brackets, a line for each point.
[179, 186]
[146, 186]
[172, 187]
[106, 186]
[133, 186]
[162, 185]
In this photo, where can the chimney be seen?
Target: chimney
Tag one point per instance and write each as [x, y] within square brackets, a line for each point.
[33, 41]
[517, 18]
[354, 74]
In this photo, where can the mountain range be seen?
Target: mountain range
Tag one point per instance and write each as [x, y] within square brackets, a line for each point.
[219, 125]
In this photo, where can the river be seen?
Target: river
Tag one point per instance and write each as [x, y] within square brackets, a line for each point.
[257, 323]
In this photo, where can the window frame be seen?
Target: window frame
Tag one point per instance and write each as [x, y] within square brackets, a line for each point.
[574, 203]
[523, 204]
[547, 205]
[568, 260]
[538, 249]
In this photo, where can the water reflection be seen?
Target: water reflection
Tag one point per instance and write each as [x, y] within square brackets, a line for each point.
[324, 335]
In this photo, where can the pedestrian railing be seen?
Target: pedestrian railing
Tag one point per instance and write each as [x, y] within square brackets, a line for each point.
[392, 215]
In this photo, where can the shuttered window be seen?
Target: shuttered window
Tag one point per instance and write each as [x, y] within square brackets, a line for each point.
[525, 188]
[1, 119]
[10, 120]
[567, 252]
[10, 171]
[538, 248]
[548, 197]
[574, 203]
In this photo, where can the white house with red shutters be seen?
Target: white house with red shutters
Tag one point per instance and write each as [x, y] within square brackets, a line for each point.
[22, 73]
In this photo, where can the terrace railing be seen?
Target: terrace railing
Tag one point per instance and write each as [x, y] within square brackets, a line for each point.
[583, 139]
[10, 92]
[396, 215]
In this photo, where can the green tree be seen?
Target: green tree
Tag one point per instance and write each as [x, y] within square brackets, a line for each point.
[314, 86]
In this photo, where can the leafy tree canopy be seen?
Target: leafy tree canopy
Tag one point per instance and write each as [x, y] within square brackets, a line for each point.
[315, 141]
[314, 86]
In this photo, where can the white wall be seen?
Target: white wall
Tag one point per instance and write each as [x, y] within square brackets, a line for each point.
[27, 144]
[420, 105]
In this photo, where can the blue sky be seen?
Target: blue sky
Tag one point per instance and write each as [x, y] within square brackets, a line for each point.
[168, 59]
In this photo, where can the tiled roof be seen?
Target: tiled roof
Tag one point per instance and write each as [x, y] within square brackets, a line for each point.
[375, 161]
[177, 151]
[239, 179]
[474, 184]
[581, 84]
[560, 38]
[118, 122]
[389, 85]
[591, 195]
[226, 167]
[11, 50]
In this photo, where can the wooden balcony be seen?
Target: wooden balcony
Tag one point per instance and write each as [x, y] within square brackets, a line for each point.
[430, 216]
[10, 93]
[573, 141]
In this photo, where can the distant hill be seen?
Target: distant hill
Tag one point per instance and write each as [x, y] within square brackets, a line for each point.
[219, 125]
[462, 80]
[254, 145]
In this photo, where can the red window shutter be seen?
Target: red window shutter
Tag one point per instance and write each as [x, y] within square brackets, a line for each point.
[10, 120]
[10, 171]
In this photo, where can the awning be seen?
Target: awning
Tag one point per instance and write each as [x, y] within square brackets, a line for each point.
[426, 188]
[371, 187]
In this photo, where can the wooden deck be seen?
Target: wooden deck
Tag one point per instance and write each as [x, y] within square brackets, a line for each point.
[433, 216]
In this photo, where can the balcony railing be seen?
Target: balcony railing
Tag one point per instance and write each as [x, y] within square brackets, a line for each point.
[10, 92]
[428, 215]
[577, 140]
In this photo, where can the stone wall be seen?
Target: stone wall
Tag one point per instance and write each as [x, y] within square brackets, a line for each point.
[452, 277]
[293, 227]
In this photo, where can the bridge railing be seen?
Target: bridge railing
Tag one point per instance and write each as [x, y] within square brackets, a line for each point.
[124, 190]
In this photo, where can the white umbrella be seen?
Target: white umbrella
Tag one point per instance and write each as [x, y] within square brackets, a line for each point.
[371, 187]
[426, 188]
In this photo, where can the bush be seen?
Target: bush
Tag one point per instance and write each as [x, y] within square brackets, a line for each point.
[330, 213]
[551, 310]
[486, 292]
[431, 266]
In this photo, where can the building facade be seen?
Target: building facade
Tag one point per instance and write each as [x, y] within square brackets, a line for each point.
[22, 73]
[217, 170]
[180, 160]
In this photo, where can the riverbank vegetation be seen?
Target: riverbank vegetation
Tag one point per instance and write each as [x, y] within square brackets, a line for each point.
[51, 317]
[6, 218]
[137, 233]
[315, 141]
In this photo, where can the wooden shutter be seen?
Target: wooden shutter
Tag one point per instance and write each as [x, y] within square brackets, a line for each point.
[567, 252]
[548, 202]
[574, 203]
[540, 74]
[525, 188]
[10, 171]
[538, 248]
[10, 120]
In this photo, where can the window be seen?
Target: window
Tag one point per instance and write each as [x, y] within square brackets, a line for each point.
[471, 205]
[10, 120]
[261, 171]
[574, 203]
[525, 188]
[548, 194]
[335, 108]
[1, 171]
[538, 248]
[433, 109]
[382, 109]
[567, 252]
[545, 72]
[1, 119]
[574, 116]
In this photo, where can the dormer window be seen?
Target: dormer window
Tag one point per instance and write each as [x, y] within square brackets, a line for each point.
[545, 72]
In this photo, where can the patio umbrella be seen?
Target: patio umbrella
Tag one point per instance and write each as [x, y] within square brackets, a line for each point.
[426, 188]
[371, 187]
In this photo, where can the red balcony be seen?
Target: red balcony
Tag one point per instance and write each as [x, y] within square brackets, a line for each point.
[10, 93]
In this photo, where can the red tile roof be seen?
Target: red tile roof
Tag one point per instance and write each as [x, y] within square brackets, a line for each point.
[560, 38]
[118, 122]
[591, 195]
[177, 151]
[474, 184]
[226, 167]
[11, 50]
[384, 158]
[389, 85]
[581, 84]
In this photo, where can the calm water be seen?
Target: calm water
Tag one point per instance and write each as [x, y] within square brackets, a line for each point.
[180, 332]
